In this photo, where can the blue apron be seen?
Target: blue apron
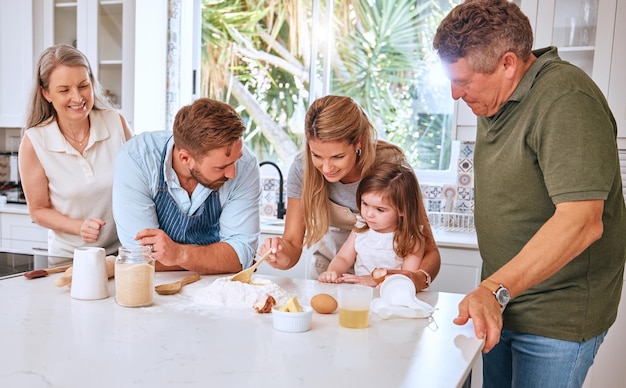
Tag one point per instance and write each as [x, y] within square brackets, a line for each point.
[201, 228]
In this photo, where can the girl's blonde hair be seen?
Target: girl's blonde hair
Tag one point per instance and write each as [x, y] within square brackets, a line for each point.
[336, 118]
[39, 110]
[398, 186]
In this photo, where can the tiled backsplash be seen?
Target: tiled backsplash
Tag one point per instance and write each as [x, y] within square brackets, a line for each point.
[447, 198]
[270, 187]
[457, 198]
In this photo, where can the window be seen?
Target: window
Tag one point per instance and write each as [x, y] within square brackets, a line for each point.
[271, 59]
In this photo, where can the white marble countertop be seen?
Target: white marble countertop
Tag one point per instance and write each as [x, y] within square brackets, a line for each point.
[52, 340]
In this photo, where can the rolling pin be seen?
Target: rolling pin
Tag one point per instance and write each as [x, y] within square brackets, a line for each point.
[39, 273]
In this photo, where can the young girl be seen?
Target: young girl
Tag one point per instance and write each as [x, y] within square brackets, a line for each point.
[392, 240]
[341, 147]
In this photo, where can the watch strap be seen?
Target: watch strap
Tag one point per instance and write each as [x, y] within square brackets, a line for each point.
[490, 285]
[428, 278]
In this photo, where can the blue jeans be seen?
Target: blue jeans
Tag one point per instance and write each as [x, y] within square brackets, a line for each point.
[526, 361]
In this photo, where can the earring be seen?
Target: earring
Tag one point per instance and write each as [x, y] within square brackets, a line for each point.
[358, 153]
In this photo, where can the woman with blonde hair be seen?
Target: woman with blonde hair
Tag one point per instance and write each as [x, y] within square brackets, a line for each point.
[341, 147]
[67, 151]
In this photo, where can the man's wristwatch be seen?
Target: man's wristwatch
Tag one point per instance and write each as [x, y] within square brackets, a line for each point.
[502, 294]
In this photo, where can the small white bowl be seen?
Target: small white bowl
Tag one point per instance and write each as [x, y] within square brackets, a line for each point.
[292, 322]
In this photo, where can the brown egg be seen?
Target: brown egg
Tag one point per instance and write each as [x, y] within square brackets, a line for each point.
[323, 303]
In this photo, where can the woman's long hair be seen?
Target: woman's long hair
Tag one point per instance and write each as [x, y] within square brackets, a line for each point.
[336, 118]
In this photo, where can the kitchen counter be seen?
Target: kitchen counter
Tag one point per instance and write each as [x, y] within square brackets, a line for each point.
[50, 339]
[14, 208]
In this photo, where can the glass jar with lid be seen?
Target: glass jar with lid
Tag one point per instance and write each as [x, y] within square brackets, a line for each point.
[134, 276]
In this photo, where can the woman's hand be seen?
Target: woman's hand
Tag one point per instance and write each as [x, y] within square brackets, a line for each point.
[276, 259]
[90, 229]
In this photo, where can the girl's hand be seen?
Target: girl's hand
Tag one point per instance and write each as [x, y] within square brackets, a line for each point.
[365, 280]
[329, 277]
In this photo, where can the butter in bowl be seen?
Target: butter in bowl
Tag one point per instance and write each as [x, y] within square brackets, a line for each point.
[292, 317]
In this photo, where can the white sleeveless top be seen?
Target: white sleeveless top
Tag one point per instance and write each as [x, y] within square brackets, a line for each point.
[80, 185]
[373, 250]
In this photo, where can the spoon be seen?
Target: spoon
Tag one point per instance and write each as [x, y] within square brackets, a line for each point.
[245, 275]
[173, 288]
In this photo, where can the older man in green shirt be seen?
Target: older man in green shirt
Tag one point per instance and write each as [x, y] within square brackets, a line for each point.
[549, 209]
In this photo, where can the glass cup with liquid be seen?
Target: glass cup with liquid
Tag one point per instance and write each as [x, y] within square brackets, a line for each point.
[354, 305]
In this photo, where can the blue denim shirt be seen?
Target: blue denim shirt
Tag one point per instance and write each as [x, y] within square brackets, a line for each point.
[135, 184]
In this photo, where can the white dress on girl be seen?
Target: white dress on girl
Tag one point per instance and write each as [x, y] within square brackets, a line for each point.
[374, 249]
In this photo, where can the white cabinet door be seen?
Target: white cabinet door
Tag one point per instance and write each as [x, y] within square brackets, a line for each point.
[617, 83]
[460, 270]
[16, 57]
[19, 232]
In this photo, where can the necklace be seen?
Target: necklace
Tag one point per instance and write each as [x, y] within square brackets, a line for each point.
[80, 142]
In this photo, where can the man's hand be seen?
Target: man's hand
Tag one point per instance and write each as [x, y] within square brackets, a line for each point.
[481, 306]
[164, 250]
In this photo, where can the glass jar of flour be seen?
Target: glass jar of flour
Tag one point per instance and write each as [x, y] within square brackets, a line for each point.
[134, 276]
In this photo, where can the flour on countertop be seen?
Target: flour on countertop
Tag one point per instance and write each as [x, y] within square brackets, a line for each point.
[226, 293]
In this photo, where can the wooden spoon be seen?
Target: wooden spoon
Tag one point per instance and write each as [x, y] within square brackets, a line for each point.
[173, 288]
[245, 275]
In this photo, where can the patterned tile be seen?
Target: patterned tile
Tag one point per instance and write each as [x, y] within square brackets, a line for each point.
[467, 150]
[466, 165]
[466, 180]
[433, 205]
[465, 193]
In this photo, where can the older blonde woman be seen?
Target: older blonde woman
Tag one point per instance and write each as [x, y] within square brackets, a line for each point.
[67, 152]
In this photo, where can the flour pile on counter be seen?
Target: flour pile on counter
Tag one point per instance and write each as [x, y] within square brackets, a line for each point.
[225, 293]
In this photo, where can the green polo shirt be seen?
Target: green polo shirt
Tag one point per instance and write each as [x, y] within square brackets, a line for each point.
[553, 141]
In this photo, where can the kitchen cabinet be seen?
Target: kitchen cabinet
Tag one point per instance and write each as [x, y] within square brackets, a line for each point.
[104, 30]
[617, 82]
[460, 270]
[16, 57]
[592, 44]
[19, 234]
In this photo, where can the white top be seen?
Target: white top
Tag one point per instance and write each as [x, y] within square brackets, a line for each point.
[374, 249]
[80, 184]
[50, 339]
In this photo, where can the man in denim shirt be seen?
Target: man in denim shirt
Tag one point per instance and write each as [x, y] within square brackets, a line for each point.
[191, 195]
